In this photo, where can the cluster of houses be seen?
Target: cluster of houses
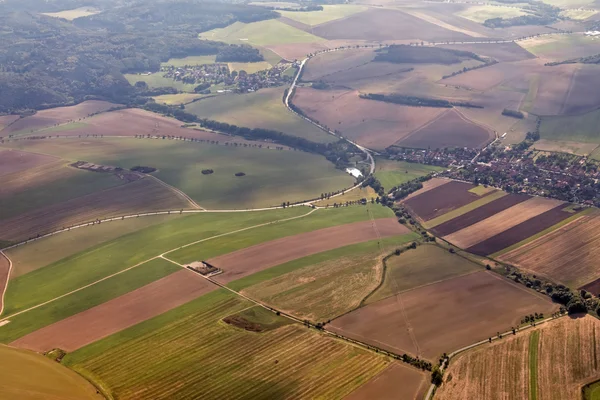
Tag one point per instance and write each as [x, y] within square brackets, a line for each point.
[220, 74]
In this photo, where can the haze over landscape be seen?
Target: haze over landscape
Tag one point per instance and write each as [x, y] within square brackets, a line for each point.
[240, 199]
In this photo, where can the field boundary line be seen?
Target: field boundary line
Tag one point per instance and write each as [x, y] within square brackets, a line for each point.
[10, 265]
[177, 191]
[134, 266]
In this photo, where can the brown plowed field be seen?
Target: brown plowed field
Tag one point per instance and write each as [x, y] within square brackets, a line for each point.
[397, 381]
[478, 214]
[144, 195]
[451, 129]
[379, 25]
[569, 255]
[583, 95]
[442, 199]
[427, 186]
[521, 231]
[4, 272]
[250, 260]
[500, 222]
[15, 161]
[6, 120]
[117, 314]
[568, 357]
[326, 65]
[53, 116]
[444, 316]
[374, 124]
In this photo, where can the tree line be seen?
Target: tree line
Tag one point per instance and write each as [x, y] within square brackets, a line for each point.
[415, 101]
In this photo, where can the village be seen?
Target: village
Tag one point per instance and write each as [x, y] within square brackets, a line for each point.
[207, 75]
[516, 169]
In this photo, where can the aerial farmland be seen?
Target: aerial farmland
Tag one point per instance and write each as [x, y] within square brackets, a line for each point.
[299, 200]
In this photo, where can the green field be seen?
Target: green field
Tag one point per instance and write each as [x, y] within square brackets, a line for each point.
[191, 60]
[49, 184]
[262, 109]
[580, 128]
[424, 265]
[325, 285]
[578, 14]
[156, 80]
[250, 68]
[271, 176]
[317, 220]
[482, 13]
[179, 98]
[464, 209]
[25, 375]
[263, 33]
[329, 13]
[126, 251]
[37, 254]
[534, 340]
[592, 391]
[393, 173]
[189, 353]
[561, 47]
[85, 299]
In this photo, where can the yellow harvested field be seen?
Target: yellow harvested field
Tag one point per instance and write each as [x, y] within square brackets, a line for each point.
[500, 222]
[569, 255]
[489, 372]
[568, 356]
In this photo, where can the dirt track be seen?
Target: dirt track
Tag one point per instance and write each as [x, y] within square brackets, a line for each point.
[5, 267]
[117, 314]
[248, 261]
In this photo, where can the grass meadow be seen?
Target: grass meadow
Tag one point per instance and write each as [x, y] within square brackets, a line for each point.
[263, 33]
[200, 356]
[393, 173]
[329, 13]
[262, 109]
[271, 176]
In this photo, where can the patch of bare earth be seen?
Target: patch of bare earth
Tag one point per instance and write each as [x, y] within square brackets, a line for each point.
[56, 116]
[117, 314]
[444, 316]
[12, 161]
[397, 381]
[144, 195]
[256, 258]
[374, 124]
